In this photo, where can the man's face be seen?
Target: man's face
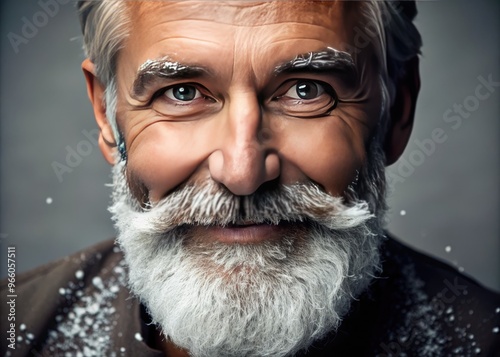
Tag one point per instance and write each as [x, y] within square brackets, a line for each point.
[244, 125]
[234, 117]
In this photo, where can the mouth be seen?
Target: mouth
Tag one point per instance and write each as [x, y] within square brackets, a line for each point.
[246, 233]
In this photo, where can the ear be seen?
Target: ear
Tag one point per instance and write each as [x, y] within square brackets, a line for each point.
[402, 112]
[95, 91]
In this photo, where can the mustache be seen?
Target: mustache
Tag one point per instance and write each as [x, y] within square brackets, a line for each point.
[210, 203]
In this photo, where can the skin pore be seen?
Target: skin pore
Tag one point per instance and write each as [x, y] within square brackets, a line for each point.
[233, 117]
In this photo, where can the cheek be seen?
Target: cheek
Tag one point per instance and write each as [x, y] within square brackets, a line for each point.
[163, 155]
[328, 153]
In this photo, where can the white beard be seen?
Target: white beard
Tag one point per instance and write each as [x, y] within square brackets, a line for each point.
[270, 299]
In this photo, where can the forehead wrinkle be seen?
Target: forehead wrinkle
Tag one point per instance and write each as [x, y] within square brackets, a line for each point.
[193, 39]
[240, 13]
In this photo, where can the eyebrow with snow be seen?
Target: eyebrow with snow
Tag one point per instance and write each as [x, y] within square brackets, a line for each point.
[328, 59]
[151, 70]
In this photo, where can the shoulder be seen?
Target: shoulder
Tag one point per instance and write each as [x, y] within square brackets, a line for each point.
[54, 275]
[42, 298]
[434, 309]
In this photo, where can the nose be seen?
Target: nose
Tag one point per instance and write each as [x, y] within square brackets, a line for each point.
[244, 158]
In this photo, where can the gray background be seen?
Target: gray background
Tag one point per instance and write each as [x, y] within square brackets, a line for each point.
[451, 198]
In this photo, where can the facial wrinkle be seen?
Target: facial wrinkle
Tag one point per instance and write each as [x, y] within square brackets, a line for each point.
[331, 59]
[363, 88]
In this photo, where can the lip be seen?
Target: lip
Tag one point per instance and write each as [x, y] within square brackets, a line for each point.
[240, 234]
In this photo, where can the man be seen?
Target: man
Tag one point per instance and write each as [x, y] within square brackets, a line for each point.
[248, 142]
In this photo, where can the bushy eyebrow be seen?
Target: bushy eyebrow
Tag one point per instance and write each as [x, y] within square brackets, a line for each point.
[328, 59]
[152, 70]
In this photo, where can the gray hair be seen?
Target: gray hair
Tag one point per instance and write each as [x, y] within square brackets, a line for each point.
[105, 26]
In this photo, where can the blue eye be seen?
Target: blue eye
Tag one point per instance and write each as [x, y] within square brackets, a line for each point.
[304, 98]
[305, 90]
[183, 92]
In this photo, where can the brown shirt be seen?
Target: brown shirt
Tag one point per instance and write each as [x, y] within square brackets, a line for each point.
[418, 306]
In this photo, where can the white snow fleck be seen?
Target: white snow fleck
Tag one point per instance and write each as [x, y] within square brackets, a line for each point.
[49, 200]
[84, 326]
[62, 291]
[403, 212]
[114, 288]
[471, 312]
[458, 350]
[93, 308]
[138, 336]
[30, 336]
[22, 327]
[477, 350]
[461, 269]
[495, 329]
[447, 249]
[123, 349]
[97, 281]
[497, 310]
[19, 338]
[79, 274]
[449, 310]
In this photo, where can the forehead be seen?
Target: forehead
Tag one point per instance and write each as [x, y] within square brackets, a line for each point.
[337, 16]
[179, 26]
[240, 43]
[244, 12]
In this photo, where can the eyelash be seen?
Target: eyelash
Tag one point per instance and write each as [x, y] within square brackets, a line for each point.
[328, 89]
[163, 90]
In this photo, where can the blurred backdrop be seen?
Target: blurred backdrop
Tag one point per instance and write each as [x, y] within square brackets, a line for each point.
[444, 195]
